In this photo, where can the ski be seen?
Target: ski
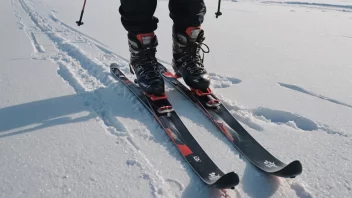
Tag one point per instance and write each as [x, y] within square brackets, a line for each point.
[168, 119]
[212, 107]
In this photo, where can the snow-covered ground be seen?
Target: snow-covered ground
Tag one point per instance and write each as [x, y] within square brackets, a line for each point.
[68, 129]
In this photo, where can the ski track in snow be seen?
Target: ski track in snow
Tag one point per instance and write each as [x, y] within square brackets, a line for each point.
[38, 47]
[55, 19]
[301, 190]
[219, 81]
[250, 117]
[91, 79]
[301, 90]
[82, 81]
[292, 120]
[20, 22]
[335, 7]
[253, 117]
[30, 32]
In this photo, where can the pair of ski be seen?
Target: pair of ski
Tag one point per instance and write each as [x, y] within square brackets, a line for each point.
[212, 107]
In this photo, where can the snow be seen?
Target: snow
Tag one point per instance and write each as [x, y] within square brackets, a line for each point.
[68, 129]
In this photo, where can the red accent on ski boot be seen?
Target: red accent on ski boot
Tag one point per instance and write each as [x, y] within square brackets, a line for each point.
[141, 37]
[190, 29]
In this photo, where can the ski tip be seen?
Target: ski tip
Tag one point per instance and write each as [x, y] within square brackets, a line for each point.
[291, 170]
[230, 180]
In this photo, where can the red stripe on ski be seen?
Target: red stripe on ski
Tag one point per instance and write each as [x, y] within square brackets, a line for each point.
[225, 131]
[190, 29]
[184, 149]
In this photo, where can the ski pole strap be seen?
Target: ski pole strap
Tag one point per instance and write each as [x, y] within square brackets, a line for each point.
[79, 23]
[218, 13]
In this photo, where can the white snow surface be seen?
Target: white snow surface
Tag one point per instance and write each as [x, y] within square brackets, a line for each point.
[68, 129]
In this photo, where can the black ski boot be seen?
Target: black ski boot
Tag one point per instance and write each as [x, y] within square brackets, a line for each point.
[187, 61]
[144, 64]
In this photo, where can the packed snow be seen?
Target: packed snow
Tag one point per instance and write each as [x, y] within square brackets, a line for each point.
[69, 129]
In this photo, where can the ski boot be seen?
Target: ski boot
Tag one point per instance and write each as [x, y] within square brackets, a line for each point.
[145, 66]
[187, 60]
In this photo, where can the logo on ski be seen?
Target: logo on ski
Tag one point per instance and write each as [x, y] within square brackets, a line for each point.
[270, 164]
[197, 159]
[213, 176]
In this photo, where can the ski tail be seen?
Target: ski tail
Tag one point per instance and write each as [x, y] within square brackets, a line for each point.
[229, 180]
[290, 171]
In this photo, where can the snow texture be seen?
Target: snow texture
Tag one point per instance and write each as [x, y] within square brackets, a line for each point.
[68, 129]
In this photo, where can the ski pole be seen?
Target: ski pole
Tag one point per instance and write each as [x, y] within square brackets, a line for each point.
[79, 23]
[218, 13]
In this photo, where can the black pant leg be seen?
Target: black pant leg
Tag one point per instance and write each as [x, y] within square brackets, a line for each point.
[137, 16]
[187, 13]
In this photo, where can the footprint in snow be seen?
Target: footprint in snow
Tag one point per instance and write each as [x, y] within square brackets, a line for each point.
[219, 81]
[251, 117]
[292, 120]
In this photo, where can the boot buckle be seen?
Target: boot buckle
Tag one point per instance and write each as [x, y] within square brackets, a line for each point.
[131, 69]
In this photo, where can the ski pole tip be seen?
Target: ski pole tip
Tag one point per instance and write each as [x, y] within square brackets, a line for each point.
[217, 14]
[79, 23]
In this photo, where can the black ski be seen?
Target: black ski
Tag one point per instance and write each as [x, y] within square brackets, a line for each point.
[189, 148]
[212, 107]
